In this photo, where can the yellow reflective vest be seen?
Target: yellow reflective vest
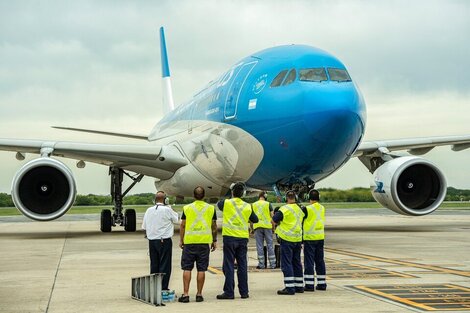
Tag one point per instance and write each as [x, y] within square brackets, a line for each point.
[198, 228]
[314, 224]
[261, 209]
[236, 214]
[290, 228]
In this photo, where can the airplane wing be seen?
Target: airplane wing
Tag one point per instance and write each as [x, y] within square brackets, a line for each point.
[368, 150]
[151, 160]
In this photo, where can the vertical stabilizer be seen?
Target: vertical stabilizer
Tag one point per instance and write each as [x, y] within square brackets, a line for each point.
[168, 104]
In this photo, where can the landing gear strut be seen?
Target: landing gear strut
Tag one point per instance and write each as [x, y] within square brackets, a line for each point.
[128, 219]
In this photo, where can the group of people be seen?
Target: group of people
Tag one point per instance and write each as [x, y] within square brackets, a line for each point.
[294, 225]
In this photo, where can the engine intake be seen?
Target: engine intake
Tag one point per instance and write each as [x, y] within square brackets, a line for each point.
[409, 185]
[43, 189]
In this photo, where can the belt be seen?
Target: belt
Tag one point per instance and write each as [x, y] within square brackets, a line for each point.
[160, 239]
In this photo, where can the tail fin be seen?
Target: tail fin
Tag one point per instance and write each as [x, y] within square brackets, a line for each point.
[168, 104]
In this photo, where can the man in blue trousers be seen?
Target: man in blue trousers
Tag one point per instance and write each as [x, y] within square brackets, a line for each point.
[235, 231]
[289, 220]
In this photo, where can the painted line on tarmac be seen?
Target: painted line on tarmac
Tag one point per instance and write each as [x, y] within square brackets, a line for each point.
[404, 263]
[215, 271]
[428, 297]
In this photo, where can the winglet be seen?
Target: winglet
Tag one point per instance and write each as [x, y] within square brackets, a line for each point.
[168, 103]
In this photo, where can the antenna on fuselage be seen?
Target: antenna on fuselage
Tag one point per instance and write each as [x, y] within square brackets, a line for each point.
[168, 104]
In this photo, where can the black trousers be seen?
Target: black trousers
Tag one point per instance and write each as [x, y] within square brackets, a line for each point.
[160, 259]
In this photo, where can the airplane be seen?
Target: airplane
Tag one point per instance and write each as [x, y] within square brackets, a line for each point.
[282, 118]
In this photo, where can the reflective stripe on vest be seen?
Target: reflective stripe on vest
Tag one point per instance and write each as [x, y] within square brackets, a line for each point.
[235, 218]
[198, 222]
[261, 209]
[290, 228]
[314, 225]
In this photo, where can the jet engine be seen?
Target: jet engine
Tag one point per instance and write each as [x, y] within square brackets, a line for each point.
[409, 185]
[43, 189]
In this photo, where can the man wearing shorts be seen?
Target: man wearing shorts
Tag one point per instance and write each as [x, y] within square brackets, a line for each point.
[198, 236]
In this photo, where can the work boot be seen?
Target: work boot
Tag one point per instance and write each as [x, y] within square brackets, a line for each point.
[224, 296]
[285, 292]
[321, 287]
[299, 289]
[245, 296]
[309, 289]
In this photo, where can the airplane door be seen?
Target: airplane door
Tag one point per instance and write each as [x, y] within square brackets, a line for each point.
[231, 102]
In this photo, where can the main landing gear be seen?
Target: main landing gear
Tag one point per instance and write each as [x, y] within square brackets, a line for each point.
[128, 219]
[301, 188]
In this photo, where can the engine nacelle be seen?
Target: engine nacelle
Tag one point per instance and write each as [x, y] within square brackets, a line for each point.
[409, 185]
[43, 189]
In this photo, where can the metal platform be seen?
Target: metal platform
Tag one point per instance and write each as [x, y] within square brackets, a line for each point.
[148, 289]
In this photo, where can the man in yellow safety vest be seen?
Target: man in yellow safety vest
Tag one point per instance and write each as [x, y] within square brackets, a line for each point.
[314, 238]
[235, 231]
[198, 231]
[289, 230]
[264, 231]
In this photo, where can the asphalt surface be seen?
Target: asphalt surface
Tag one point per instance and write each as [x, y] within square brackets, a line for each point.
[377, 261]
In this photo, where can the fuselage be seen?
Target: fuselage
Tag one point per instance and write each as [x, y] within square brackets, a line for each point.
[285, 115]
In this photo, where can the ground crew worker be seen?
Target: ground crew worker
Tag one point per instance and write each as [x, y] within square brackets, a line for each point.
[289, 230]
[264, 231]
[198, 231]
[158, 225]
[314, 238]
[235, 231]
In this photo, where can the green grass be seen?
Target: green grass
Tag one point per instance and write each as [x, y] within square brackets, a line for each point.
[142, 208]
[87, 209]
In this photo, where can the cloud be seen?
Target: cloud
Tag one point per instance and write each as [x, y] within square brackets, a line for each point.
[96, 64]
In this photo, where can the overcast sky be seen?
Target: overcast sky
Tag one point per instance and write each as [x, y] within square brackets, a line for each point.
[96, 65]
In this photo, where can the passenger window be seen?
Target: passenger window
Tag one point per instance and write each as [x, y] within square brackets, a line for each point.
[338, 75]
[279, 78]
[290, 77]
[313, 75]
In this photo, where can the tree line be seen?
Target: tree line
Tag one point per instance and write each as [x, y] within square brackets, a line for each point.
[326, 194]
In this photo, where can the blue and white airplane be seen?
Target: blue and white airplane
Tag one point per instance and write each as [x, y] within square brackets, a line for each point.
[282, 118]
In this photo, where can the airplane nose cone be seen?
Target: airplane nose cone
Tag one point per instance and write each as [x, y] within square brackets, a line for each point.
[334, 121]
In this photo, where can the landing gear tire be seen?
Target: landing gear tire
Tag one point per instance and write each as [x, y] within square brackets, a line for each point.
[106, 221]
[129, 220]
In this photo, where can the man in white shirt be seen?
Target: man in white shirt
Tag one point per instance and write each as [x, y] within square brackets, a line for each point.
[158, 224]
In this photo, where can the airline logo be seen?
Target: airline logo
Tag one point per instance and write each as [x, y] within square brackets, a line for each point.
[380, 187]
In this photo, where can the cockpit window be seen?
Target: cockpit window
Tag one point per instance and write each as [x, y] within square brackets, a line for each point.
[313, 75]
[290, 77]
[338, 75]
[278, 79]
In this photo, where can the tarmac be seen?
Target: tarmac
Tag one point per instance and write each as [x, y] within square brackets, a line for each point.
[377, 261]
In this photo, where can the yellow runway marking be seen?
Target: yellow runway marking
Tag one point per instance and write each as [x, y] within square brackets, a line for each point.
[394, 298]
[404, 263]
[213, 270]
[425, 297]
